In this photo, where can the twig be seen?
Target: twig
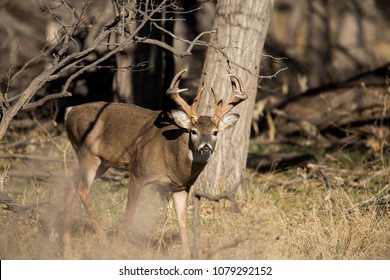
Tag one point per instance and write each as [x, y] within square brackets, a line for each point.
[191, 44]
[114, 51]
[274, 75]
[44, 52]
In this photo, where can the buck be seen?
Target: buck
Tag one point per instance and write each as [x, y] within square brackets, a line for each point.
[164, 149]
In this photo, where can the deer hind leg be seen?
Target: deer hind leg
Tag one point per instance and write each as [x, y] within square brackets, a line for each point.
[180, 204]
[90, 168]
[69, 194]
[79, 184]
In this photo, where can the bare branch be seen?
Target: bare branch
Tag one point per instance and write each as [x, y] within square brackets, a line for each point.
[273, 75]
[45, 99]
[68, 64]
[191, 44]
[229, 195]
[37, 59]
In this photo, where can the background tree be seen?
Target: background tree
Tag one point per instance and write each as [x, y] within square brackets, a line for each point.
[335, 91]
[84, 44]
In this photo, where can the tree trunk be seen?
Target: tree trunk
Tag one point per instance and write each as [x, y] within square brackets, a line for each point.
[122, 82]
[241, 29]
[149, 85]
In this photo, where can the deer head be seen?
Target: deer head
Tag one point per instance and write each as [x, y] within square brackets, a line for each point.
[204, 129]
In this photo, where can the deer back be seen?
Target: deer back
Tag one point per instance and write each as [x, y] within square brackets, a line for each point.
[148, 143]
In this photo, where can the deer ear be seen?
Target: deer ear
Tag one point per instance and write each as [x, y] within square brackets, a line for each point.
[228, 121]
[181, 119]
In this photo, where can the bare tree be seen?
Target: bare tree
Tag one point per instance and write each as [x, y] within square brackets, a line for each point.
[70, 58]
[241, 29]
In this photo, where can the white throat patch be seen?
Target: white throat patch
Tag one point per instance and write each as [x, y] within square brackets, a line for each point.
[190, 155]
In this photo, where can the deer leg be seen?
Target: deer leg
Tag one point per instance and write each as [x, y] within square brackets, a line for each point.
[180, 204]
[69, 195]
[132, 200]
[89, 166]
[79, 184]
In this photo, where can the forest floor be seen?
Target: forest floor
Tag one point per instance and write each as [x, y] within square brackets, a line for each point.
[311, 212]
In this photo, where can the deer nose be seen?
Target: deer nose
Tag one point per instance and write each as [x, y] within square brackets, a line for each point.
[206, 150]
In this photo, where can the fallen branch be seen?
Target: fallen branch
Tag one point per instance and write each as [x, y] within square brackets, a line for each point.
[277, 161]
[374, 201]
[35, 174]
[196, 212]
[33, 212]
[234, 243]
[35, 158]
[225, 195]
[43, 214]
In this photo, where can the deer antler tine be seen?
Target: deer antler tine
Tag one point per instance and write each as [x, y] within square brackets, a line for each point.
[174, 93]
[237, 90]
[176, 80]
[237, 96]
[216, 100]
[195, 103]
[171, 91]
[219, 106]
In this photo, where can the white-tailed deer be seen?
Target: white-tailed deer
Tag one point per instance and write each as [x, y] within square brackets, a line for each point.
[167, 150]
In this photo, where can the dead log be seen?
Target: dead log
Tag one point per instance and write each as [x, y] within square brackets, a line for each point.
[278, 161]
[336, 114]
[334, 108]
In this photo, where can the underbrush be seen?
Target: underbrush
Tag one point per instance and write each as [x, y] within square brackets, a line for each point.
[314, 212]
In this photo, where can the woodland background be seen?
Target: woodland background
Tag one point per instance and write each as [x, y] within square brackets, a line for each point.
[319, 132]
[315, 53]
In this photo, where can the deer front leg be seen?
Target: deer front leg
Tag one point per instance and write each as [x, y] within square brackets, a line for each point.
[132, 201]
[180, 204]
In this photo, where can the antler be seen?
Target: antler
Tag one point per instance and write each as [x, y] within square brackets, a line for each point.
[237, 96]
[174, 93]
[195, 103]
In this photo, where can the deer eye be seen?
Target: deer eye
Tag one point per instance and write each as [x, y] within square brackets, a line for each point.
[215, 133]
[193, 132]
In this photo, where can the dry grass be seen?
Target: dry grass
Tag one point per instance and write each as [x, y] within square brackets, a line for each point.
[294, 214]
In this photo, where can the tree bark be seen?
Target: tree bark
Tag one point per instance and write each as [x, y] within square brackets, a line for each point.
[241, 29]
[122, 82]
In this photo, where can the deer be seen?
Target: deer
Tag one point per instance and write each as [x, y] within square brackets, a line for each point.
[167, 150]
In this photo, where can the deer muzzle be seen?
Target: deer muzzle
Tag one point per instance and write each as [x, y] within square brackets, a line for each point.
[205, 150]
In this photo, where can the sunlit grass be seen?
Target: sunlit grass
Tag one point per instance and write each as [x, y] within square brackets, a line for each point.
[292, 214]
